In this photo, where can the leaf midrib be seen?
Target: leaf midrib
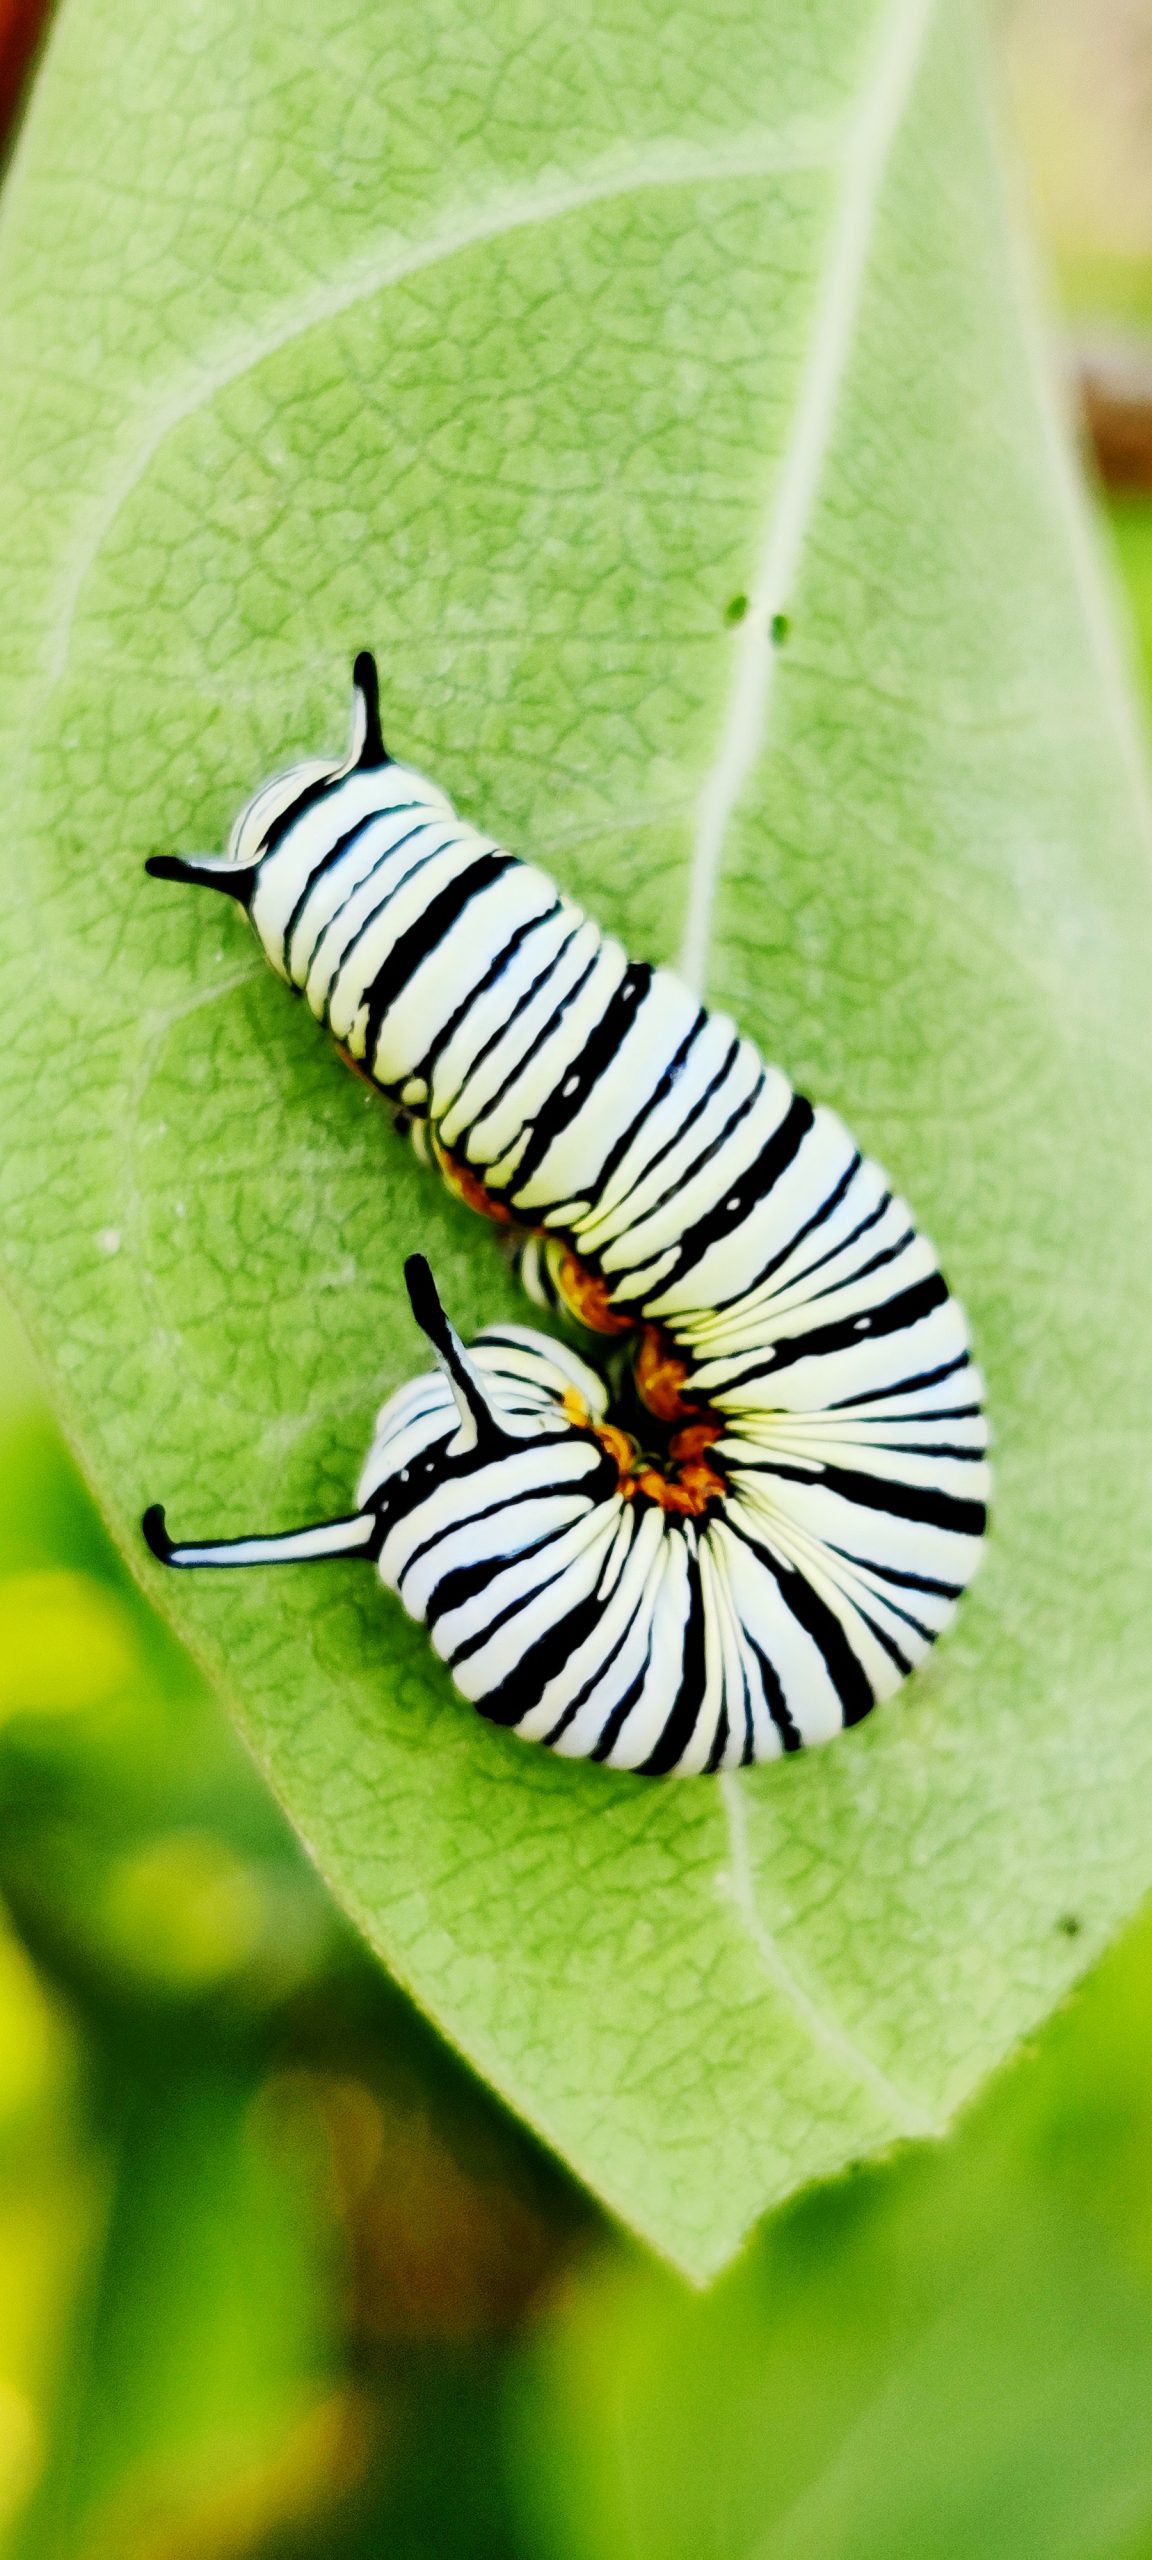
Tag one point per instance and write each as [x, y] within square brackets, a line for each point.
[872, 133]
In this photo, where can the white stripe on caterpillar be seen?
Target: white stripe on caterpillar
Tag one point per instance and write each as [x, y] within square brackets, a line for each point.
[779, 1515]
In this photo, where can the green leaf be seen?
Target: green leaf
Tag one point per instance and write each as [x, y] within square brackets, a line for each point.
[521, 345]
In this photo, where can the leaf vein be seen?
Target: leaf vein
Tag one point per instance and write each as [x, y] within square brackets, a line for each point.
[871, 138]
[906, 2112]
[668, 163]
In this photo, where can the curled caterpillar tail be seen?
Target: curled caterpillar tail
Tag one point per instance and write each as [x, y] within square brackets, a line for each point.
[782, 1509]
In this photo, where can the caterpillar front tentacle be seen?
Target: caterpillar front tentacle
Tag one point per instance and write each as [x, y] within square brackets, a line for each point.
[776, 1517]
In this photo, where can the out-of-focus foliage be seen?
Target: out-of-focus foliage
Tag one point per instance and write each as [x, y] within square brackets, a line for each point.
[948, 2359]
[1081, 78]
[1132, 528]
[261, 2241]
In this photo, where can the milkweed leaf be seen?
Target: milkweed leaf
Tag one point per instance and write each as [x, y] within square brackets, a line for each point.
[660, 400]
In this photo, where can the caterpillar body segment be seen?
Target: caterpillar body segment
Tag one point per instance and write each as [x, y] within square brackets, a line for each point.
[777, 1516]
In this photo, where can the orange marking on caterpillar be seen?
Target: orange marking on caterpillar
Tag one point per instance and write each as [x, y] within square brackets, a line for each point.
[586, 1295]
[689, 1491]
[466, 1185]
[660, 1375]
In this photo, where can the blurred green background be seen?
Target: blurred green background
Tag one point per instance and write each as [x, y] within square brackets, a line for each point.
[277, 2277]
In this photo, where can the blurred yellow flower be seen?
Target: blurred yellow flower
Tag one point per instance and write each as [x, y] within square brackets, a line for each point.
[36, 2045]
[21, 2450]
[184, 1909]
[66, 1643]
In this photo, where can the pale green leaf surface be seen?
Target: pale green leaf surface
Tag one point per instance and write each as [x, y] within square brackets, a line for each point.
[518, 344]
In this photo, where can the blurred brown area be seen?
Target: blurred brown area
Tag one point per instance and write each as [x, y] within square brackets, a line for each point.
[1115, 391]
[1080, 83]
[442, 2247]
[22, 25]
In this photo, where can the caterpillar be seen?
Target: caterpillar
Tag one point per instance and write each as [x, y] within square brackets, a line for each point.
[773, 1515]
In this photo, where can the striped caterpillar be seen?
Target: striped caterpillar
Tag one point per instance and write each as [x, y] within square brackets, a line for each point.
[776, 1515]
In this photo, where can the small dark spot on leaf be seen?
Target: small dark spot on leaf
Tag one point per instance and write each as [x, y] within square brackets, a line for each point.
[1069, 1924]
[781, 627]
[736, 611]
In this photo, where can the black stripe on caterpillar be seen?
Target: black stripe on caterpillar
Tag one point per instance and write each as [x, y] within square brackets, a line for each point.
[779, 1515]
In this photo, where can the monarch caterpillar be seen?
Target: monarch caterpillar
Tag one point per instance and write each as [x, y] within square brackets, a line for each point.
[777, 1517]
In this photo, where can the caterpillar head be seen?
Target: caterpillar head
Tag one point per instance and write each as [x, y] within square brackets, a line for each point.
[256, 830]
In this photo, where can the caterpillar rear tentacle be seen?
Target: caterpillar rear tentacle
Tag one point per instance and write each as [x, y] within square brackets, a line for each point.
[777, 1517]
[349, 1536]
